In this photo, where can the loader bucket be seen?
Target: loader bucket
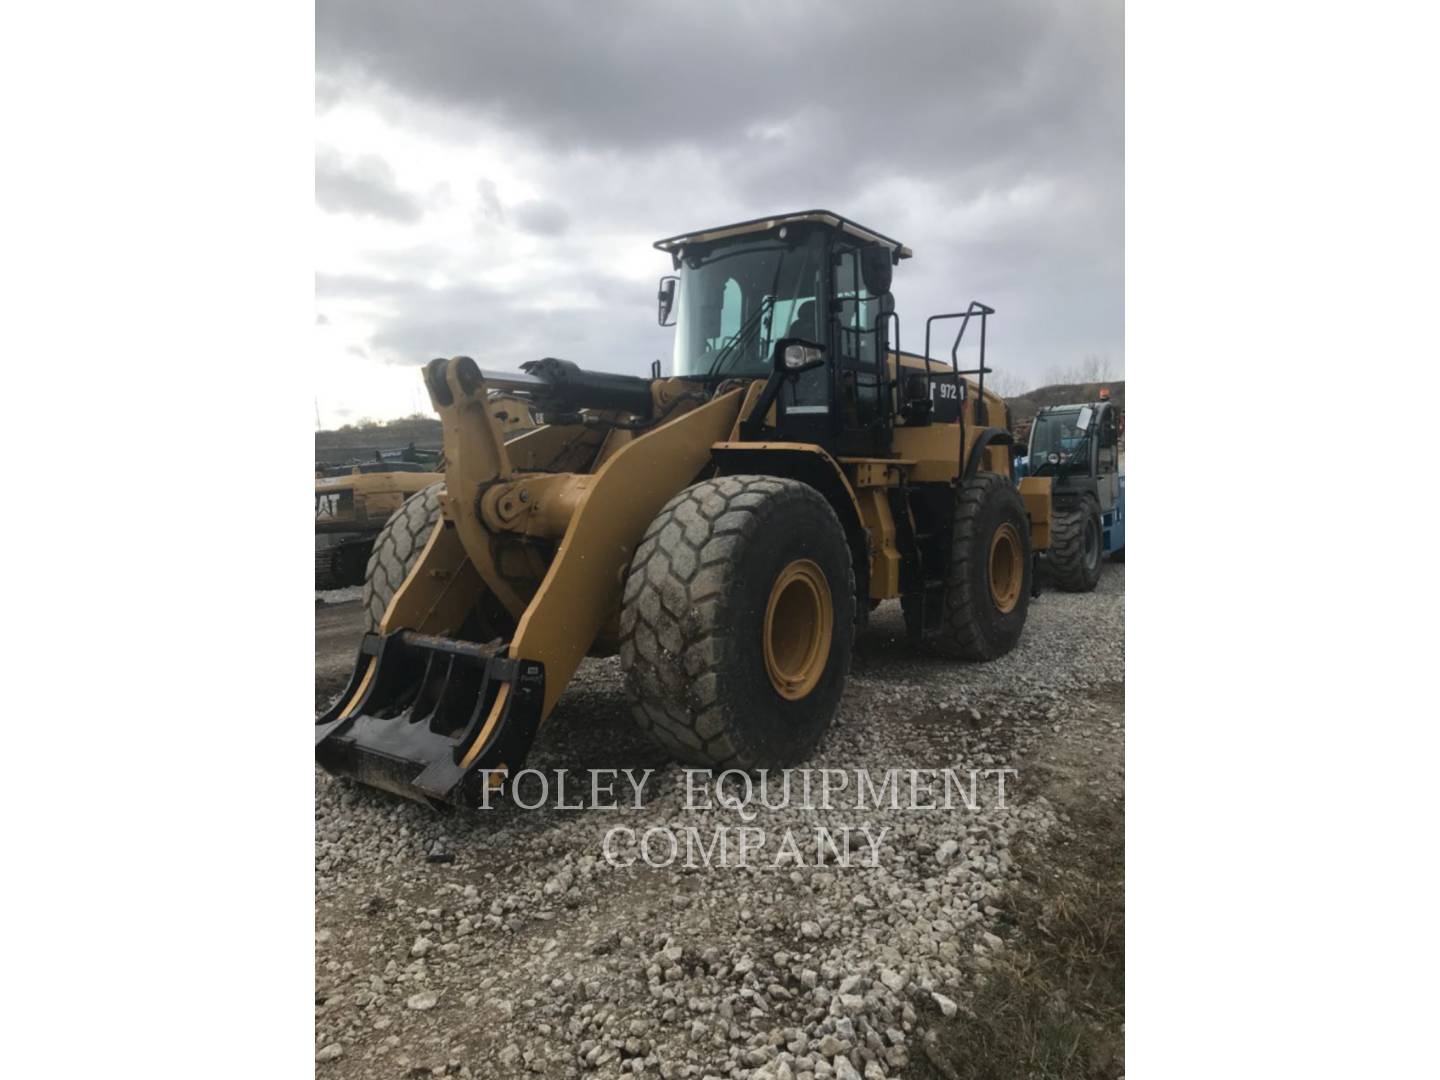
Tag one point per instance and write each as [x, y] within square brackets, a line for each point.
[419, 725]
[431, 712]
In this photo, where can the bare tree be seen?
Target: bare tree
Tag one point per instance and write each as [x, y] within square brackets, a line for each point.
[1096, 367]
[1006, 383]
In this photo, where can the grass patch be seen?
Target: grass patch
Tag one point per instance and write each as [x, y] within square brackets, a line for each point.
[1053, 1005]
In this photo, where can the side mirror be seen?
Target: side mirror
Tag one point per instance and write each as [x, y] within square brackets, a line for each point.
[791, 357]
[876, 269]
[1082, 422]
[794, 355]
[668, 285]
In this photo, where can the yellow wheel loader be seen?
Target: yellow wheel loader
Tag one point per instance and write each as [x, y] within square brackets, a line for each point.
[725, 530]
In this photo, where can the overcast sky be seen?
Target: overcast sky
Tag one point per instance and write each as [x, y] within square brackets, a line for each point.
[489, 178]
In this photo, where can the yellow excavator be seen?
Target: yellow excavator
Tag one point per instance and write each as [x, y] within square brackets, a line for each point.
[725, 529]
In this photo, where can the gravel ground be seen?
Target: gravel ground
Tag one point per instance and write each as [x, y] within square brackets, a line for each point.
[501, 943]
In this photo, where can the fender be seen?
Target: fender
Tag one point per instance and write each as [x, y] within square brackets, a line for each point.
[986, 439]
[810, 465]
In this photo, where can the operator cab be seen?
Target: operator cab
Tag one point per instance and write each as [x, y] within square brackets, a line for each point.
[1074, 441]
[807, 294]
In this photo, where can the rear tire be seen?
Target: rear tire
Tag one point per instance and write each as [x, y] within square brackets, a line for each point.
[342, 564]
[738, 618]
[327, 572]
[1076, 544]
[396, 548]
[986, 594]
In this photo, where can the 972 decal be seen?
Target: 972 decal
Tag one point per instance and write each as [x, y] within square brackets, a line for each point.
[947, 391]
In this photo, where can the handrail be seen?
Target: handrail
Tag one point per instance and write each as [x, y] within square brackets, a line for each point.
[984, 311]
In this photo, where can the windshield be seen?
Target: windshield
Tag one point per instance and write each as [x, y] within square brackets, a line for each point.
[1059, 433]
[738, 299]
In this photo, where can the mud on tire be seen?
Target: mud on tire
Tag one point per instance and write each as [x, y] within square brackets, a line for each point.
[694, 618]
[396, 548]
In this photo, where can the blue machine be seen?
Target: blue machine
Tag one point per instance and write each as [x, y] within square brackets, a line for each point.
[1077, 447]
[1114, 523]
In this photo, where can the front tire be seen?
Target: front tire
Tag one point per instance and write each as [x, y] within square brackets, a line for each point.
[396, 549]
[1076, 543]
[738, 619]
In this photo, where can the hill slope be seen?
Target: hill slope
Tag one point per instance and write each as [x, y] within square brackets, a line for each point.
[351, 443]
[1024, 407]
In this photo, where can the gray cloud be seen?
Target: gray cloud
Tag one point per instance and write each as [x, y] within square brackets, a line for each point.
[990, 137]
[541, 217]
[490, 207]
[364, 185]
[501, 329]
[643, 74]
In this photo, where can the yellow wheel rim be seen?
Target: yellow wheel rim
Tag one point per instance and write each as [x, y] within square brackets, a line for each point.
[1007, 568]
[798, 626]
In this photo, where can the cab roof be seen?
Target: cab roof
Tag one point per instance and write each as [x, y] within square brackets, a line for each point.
[828, 218]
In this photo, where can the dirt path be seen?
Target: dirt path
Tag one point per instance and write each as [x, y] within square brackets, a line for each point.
[338, 629]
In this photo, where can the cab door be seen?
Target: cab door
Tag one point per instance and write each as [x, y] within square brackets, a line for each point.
[805, 407]
[860, 376]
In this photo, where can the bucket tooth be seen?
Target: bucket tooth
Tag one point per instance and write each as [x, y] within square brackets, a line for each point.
[424, 715]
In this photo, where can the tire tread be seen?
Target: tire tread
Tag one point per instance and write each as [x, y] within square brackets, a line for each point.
[1065, 560]
[674, 623]
[396, 548]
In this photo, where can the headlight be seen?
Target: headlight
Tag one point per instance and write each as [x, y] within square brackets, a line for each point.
[799, 356]
[1054, 458]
